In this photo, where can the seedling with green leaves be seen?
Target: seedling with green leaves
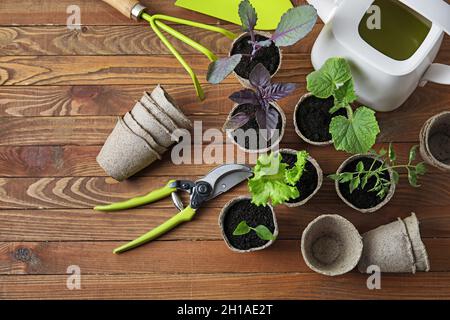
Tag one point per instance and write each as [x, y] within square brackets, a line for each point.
[261, 231]
[273, 181]
[357, 132]
[294, 25]
[360, 177]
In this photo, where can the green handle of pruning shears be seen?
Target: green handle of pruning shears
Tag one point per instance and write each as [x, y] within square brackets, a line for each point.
[186, 215]
[139, 201]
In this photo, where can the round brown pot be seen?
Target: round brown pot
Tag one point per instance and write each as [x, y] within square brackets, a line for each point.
[224, 212]
[273, 145]
[245, 82]
[319, 178]
[435, 140]
[297, 129]
[368, 210]
[331, 245]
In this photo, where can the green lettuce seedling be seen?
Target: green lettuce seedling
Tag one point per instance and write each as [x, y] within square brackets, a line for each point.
[261, 231]
[357, 132]
[273, 181]
[360, 177]
[294, 25]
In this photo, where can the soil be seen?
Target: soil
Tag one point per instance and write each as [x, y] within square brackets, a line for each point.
[362, 198]
[313, 118]
[253, 124]
[254, 215]
[308, 182]
[439, 144]
[268, 56]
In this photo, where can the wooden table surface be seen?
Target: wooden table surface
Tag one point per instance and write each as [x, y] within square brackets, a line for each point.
[61, 92]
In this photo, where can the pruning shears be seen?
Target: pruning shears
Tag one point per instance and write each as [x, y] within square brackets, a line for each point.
[217, 181]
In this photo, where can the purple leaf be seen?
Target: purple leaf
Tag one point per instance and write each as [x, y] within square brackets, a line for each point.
[220, 69]
[248, 16]
[267, 118]
[294, 25]
[260, 76]
[245, 96]
[277, 91]
[236, 121]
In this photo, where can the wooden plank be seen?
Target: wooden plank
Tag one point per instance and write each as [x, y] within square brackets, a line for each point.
[79, 161]
[73, 192]
[224, 286]
[50, 12]
[103, 70]
[94, 130]
[169, 257]
[87, 225]
[116, 100]
[118, 40]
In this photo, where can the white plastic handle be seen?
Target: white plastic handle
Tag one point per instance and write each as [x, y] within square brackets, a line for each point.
[325, 8]
[437, 11]
[437, 73]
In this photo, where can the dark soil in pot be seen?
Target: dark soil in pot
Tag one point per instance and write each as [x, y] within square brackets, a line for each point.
[268, 56]
[254, 215]
[307, 183]
[253, 124]
[313, 118]
[362, 198]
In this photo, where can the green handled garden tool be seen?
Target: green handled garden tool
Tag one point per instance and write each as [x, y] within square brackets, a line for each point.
[219, 180]
[133, 9]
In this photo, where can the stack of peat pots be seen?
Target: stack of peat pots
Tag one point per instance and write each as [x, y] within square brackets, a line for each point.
[143, 135]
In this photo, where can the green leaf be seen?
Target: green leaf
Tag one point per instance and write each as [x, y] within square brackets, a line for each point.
[324, 82]
[294, 174]
[334, 176]
[392, 156]
[360, 167]
[355, 135]
[264, 233]
[335, 108]
[421, 169]
[395, 176]
[241, 229]
[294, 25]
[364, 180]
[220, 69]
[382, 152]
[412, 154]
[412, 178]
[345, 94]
[248, 15]
[269, 181]
[354, 183]
[346, 177]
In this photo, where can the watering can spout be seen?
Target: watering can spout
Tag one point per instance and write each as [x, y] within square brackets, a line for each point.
[325, 8]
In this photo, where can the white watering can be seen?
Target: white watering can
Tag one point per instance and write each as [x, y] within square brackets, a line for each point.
[383, 81]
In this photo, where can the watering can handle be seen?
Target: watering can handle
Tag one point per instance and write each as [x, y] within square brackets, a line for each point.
[129, 8]
[325, 8]
[437, 73]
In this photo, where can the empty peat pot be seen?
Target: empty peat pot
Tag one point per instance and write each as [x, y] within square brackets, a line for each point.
[395, 247]
[125, 153]
[435, 141]
[312, 119]
[249, 137]
[331, 245]
[242, 209]
[362, 199]
[309, 183]
[270, 56]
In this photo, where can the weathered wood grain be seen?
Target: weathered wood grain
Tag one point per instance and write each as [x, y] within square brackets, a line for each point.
[79, 161]
[73, 192]
[116, 100]
[224, 286]
[188, 257]
[88, 225]
[118, 40]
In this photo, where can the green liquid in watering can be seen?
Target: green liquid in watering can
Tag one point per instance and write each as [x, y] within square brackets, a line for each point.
[401, 30]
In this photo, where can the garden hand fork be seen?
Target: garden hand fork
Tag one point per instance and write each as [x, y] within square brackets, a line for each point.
[136, 11]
